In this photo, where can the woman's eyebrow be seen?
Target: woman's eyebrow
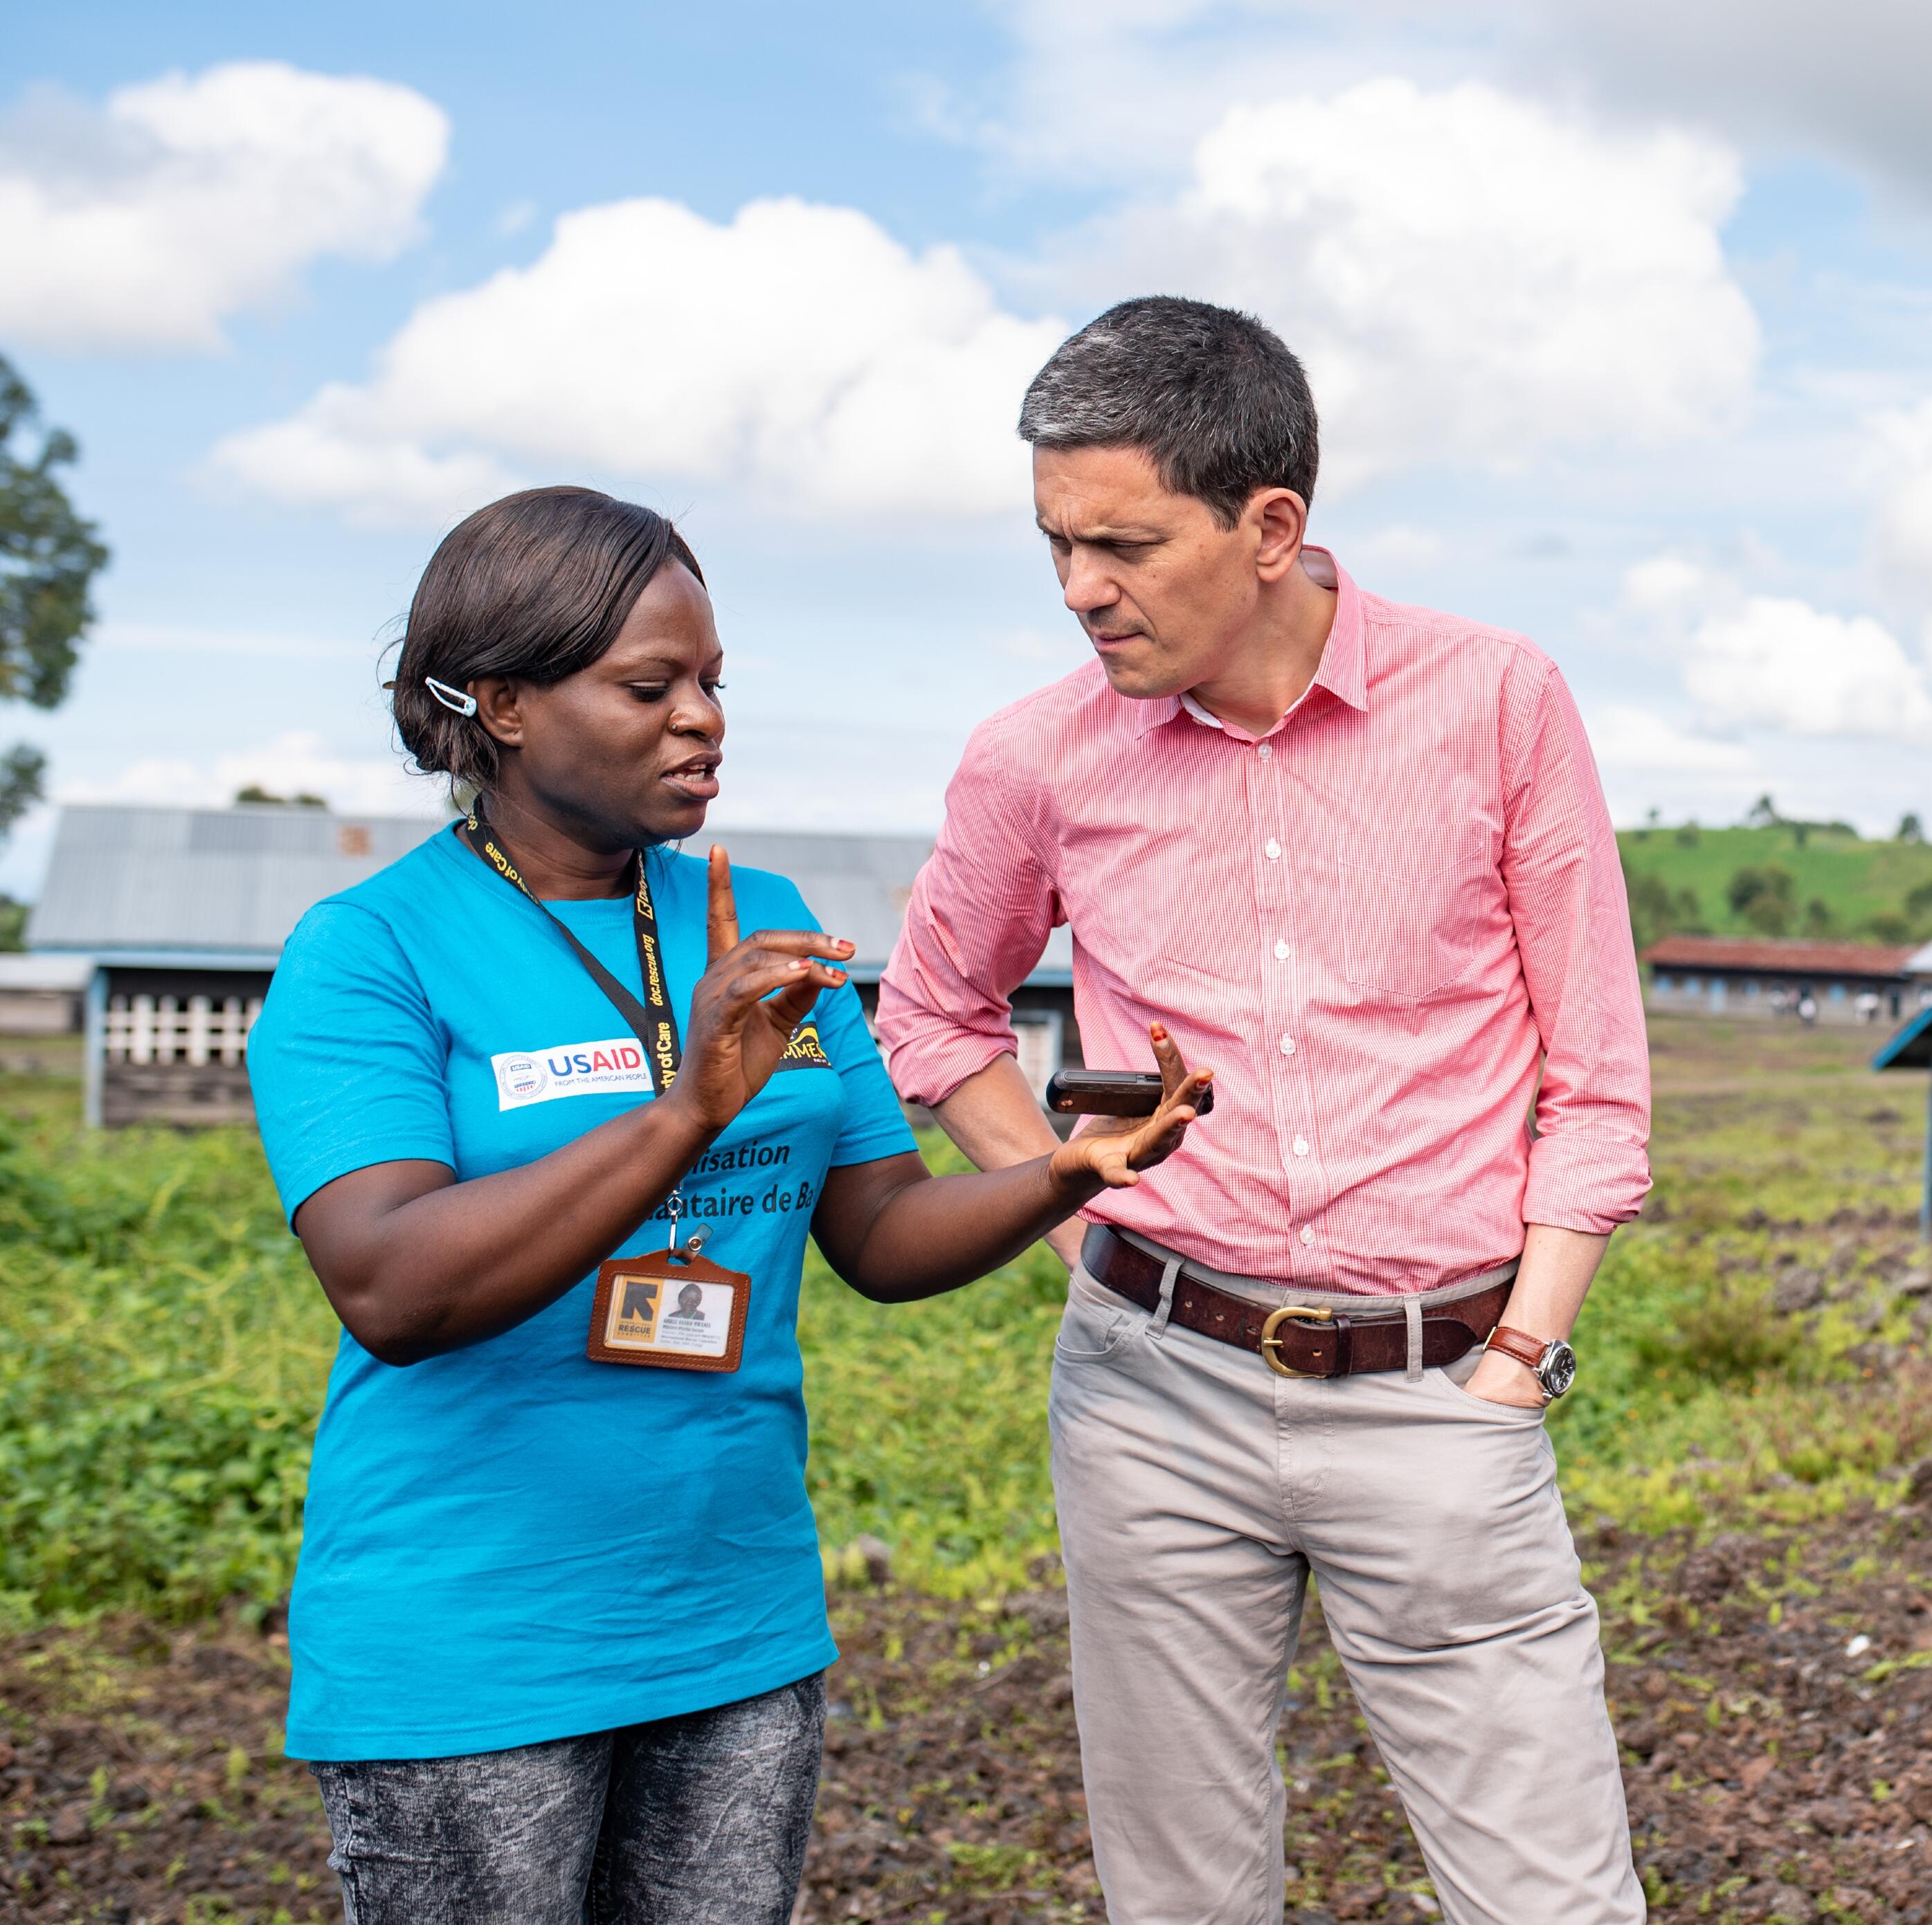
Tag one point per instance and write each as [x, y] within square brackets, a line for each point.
[652, 665]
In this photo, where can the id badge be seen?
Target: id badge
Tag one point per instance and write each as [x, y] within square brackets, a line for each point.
[671, 1309]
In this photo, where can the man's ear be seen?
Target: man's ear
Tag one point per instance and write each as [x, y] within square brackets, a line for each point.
[1280, 517]
[499, 708]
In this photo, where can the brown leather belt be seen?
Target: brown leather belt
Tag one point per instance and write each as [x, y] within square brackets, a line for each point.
[1293, 1339]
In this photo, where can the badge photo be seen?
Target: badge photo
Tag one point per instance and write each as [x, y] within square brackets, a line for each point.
[671, 1309]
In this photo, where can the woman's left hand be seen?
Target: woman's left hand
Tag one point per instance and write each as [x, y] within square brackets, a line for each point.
[1117, 1149]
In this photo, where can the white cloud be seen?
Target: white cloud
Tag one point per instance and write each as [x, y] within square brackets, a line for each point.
[1400, 545]
[1663, 584]
[1471, 277]
[1641, 742]
[1846, 81]
[335, 453]
[298, 763]
[186, 199]
[1902, 529]
[1776, 662]
[798, 349]
[1756, 661]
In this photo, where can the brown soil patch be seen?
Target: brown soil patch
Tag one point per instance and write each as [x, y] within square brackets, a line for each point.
[1778, 1763]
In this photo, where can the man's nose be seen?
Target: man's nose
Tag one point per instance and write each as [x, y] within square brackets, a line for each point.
[1088, 586]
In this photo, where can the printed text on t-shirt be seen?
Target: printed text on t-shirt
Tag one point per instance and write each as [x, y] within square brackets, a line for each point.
[570, 1069]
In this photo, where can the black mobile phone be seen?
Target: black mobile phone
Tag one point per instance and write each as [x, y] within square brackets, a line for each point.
[1112, 1092]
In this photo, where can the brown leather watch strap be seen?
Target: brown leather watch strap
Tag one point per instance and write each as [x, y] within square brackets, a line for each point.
[1526, 1349]
[1326, 1343]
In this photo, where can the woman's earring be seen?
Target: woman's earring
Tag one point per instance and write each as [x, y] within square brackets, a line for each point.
[453, 699]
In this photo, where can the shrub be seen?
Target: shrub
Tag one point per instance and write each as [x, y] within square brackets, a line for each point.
[1763, 897]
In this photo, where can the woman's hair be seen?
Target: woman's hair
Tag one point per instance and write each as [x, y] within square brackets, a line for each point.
[535, 586]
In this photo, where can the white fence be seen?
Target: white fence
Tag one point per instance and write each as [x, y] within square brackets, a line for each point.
[143, 1029]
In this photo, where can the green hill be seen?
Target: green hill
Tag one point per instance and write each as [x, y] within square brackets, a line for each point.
[1779, 879]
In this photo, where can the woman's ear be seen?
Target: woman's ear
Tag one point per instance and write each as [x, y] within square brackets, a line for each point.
[498, 708]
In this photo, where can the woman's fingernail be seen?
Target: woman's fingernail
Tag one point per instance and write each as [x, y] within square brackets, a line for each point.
[801, 965]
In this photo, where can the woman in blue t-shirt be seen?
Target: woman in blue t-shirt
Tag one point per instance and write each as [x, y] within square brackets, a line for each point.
[559, 1627]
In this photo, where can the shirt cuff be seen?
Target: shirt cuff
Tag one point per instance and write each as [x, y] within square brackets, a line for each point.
[927, 1069]
[1586, 1183]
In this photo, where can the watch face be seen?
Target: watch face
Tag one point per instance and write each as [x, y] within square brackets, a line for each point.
[1557, 1370]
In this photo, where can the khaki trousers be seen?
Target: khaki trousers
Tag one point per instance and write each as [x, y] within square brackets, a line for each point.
[1198, 1490]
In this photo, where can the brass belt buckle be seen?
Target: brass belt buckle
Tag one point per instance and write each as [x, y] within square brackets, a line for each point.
[1271, 1343]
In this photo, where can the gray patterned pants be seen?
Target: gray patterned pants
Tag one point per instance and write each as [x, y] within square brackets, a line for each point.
[697, 1820]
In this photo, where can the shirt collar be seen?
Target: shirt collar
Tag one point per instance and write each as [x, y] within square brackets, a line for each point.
[1343, 670]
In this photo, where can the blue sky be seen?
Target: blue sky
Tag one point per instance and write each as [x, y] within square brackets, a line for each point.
[1619, 326]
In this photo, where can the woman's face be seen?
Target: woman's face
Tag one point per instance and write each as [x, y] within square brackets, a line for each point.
[626, 751]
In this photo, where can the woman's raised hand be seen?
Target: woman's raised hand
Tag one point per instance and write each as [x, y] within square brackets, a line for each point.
[1117, 1149]
[739, 1026]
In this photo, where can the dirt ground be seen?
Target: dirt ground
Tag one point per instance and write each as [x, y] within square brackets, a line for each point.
[1774, 1715]
[1772, 1693]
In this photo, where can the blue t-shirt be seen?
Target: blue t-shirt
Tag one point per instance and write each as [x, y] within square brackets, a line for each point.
[511, 1544]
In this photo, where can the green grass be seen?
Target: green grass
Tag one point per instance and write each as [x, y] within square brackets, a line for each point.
[1856, 880]
[164, 1349]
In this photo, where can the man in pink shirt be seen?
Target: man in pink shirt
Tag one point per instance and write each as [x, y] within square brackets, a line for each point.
[1355, 856]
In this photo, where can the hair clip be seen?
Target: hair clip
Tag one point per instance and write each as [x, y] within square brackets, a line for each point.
[450, 698]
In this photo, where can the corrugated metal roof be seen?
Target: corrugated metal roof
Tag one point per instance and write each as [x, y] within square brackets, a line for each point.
[238, 879]
[857, 885]
[1792, 957]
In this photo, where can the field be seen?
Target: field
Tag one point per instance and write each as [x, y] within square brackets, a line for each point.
[1746, 1461]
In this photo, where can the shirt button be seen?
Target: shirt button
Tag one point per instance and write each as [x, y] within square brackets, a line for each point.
[1288, 1045]
[1307, 1234]
[1301, 1145]
[1273, 851]
[1281, 951]
[1266, 751]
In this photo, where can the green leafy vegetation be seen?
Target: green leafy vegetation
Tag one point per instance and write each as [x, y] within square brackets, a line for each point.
[1780, 878]
[1751, 1350]
[49, 558]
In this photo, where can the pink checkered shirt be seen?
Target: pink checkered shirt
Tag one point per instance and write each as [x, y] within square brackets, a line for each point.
[1378, 925]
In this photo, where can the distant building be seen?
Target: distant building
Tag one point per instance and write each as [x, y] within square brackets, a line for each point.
[41, 996]
[1848, 982]
[170, 921]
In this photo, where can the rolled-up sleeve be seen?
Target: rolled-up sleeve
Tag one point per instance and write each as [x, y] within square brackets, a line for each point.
[979, 918]
[1588, 1169]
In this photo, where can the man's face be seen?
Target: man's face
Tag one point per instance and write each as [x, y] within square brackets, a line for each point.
[1164, 591]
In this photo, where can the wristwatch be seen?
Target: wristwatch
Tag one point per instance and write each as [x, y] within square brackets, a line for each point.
[1554, 1364]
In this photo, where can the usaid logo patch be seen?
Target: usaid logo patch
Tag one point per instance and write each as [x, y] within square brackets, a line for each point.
[524, 1077]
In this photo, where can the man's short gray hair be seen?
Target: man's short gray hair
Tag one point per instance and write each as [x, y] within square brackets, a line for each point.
[1214, 399]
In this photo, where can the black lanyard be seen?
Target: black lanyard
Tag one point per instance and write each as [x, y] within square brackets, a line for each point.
[653, 1020]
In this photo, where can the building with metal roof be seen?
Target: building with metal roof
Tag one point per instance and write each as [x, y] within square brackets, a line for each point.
[1759, 976]
[40, 996]
[179, 915]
